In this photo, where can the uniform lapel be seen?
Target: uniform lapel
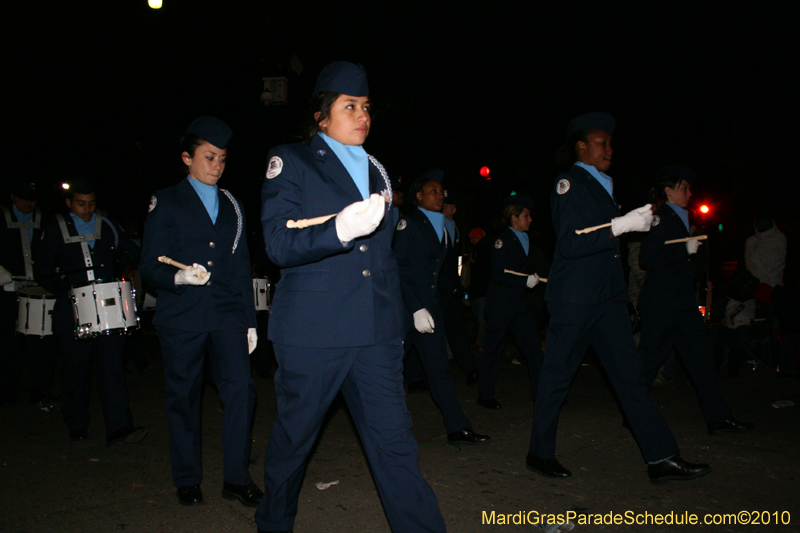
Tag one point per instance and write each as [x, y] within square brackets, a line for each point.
[597, 190]
[195, 205]
[333, 169]
[676, 221]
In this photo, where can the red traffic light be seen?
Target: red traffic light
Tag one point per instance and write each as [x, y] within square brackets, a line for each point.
[704, 209]
[485, 172]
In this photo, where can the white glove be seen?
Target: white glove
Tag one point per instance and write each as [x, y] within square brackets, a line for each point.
[637, 220]
[692, 246]
[360, 218]
[423, 321]
[533, 280]
[5, 276]
[252, 340]
[192, 276]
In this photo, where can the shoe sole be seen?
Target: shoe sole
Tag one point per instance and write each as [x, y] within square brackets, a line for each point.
[468, 443]
[667, 479]
[551, 476]
[231, 496]
[190, 504]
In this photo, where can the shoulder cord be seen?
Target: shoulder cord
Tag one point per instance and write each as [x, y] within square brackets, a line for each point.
[386, 193]
[238, 218]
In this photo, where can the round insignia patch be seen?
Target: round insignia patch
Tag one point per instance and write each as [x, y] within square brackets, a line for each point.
[153, 203]
[498, 244]
[402, 224]
[656, 220]
[563, 186]
[274, 167]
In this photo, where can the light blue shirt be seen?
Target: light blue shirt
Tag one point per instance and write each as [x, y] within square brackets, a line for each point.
[603, 179]
[85, 228]
[682, 213]
[523, 238]
[437, 221]
[22, 217]
[355, 160]
[451, 229]
[208, 195]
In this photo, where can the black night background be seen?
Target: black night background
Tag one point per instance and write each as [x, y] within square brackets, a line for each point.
[106, 89]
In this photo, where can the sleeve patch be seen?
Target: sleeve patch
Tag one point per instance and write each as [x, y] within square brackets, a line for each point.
[563, 186]
[402, 224]
[656, 220]
[498, 244]
[153, 202]
[275, 167]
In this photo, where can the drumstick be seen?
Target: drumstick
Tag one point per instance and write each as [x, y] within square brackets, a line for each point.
[306, 222]
[695, 238]
[172, 262]
[507, 271]
[593, 228]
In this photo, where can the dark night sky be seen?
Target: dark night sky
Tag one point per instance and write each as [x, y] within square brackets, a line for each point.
[107, 88]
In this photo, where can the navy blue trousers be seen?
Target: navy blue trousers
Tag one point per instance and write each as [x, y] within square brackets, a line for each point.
[432, 349]
[77, 357]
[371, 380]
[526, 332]
[606, 327]
[663, 328]
[184, 356]
[456, 331]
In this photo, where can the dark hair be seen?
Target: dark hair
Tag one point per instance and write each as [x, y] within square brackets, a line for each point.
[512, 210]
[763, 223]
[321, 103]
[189, 144]
[416, 187]
[567, 153]
[657, 193]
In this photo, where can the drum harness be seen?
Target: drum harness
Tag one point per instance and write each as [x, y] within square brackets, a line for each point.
[83, 239]
[24, 229]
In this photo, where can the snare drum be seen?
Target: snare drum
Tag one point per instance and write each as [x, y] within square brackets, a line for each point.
[103, 308]
[35, 311]
[261, 287]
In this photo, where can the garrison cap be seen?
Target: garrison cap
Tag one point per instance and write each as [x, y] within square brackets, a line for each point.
[80, 184]
[677, 171]
[24, 189]
[212, 130]
[519, 199]
[597, 120]
[343, 77]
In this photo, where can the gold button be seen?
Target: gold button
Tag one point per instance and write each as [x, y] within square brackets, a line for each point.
[210, 263]
[211, 245]
[366, 273]
[363, 247]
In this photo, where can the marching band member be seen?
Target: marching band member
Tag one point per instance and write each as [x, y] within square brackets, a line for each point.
[587, 299]
[508, 304]
[668, 303]
[337, 317]
[76, 249]
[422, 243]
[208, 307]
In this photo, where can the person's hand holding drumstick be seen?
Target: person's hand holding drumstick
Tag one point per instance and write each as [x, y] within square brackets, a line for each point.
[360, 218]
[188, 275]
[639, 219]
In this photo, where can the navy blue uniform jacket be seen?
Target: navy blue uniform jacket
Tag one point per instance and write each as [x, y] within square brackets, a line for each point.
[331, 295]
[586, 268]
[509, 289]
[669, 282]
[57, 266]
[420, 256]
[179, 227]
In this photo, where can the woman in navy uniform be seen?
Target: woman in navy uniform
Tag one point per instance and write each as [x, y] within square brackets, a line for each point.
[508, 304]
[75, 249]
[587, 299]
[668, 303]
[336, 320]
[421, 244]
[207, 307]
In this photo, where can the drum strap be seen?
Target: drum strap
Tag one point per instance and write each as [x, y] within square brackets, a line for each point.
[239, 220]
[24, 228]
[83, 239]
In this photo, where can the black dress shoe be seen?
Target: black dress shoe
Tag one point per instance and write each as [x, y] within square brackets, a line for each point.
[675, 469]
[249, 495]
[546, 467]
[729, 426]
[472, 377]
[128, 435]
[191, 495]
[490, 404]
[79, 434]
[467, 436]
